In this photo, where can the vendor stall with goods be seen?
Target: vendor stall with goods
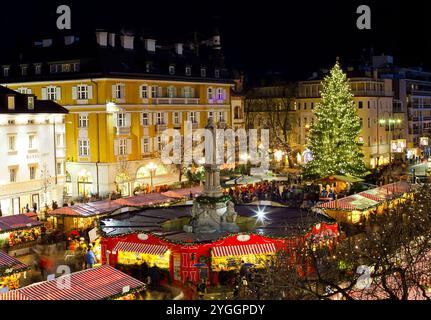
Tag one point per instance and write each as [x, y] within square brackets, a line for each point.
[102, 283]
[19, 231]
[11, 272]
[357, 208]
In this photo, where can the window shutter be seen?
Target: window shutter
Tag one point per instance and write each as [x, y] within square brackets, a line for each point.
[114, 119]
[180, 117]
[165, 118]
[183, 92]
[159, 92]
[188, 117]
[154, 117]
[58, 92]
[129, 146]
[128, 119]
[74, 93]
[140, 91]
[151, 144]
[29, 91]
[44, 94]
[90, 92]
[150, 118]
[224, 94]
[114, 91]
[116, 143]
[192, 92]
[142, 145]
[198, 116]
[155, 144]
[225, 117]
[150, 91]
[123, 91]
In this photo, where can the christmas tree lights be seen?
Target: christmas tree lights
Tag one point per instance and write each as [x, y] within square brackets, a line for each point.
[333, 139]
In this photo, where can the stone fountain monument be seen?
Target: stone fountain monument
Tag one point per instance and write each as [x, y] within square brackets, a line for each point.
[212, 211]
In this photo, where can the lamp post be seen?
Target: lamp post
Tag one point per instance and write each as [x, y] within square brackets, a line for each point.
[152, 168]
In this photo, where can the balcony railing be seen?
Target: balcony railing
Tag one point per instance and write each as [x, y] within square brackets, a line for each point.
[160, 127]
[123, 130]
[166, 100]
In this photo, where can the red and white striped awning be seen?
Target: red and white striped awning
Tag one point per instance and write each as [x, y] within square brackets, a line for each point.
[154, 249]
[92, 284]
[225, 251]
[10, 264]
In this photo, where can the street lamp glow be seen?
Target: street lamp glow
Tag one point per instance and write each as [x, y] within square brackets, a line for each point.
[278, 155]
[151, 166]
[244, 156]
[261, 214]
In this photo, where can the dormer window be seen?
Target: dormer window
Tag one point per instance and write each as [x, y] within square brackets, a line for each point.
[171, 70]
[37, 68]
[203, 72]
[188, 71]
[11, 102]
[24, 90]
[148, 67]
[24, 70]
[30, 103]
[6, 71]
[217, 73]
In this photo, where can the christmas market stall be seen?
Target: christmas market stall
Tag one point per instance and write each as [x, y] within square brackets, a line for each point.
[102, 283]
[11, 272]
[359, 207]
[81, 216]
[153, 237]
[339, 183]
[18, 232]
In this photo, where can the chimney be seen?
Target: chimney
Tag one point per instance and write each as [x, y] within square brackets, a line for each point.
[46, 43]
[179, 48]
[150, 45]
[102, 38]
[127, 41]
[68, 40]
[112, 39]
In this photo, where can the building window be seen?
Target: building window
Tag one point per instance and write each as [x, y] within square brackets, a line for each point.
[361, 122]
[121, 120]
[369, 141]
[312, 106]
[122, 147]
[159, 143]
[82, 92]
[159, 118]
[37, 69]
[32, 171]
[6, 71]
[210, 94]
[24, 90]
[148, 67]
[54, 68]
[12, 174]
[171, 92]
[84, 148]
[32, 141]
[118, 91]
[237, 113]
[154, 90]
[145, 121]
[220, 94]
[188, 71]
[210, 114]
[12, 143]
[59, 140]
[193, 117]
[221, 116]
[171, 69]
[369, 123]
[203, 72]
[144, 91]
[305, 105]
[30, 103]
[176, 118]
[24, 70]
[299, 105]
[187, 92]
[11, 102]
[360, 104]
[369, 104]
[83, 121]
[146, 145]
[11, 122]
[51, 93]
[217, 73]
[60, 168]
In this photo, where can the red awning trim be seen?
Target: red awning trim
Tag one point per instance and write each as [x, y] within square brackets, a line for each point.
[224, 251]
[141, 248]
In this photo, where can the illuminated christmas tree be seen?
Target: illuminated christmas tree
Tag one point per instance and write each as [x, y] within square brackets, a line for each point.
[333, 139]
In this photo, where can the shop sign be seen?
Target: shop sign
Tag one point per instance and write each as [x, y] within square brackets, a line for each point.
[93, 234]
[398, 146]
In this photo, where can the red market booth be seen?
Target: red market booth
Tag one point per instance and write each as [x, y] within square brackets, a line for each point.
[136, 239]
[102, 283]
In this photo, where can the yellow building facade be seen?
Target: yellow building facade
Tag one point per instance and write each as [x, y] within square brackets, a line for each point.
[114, 127]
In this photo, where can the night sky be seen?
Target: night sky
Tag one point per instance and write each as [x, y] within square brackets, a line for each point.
[292, 37]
